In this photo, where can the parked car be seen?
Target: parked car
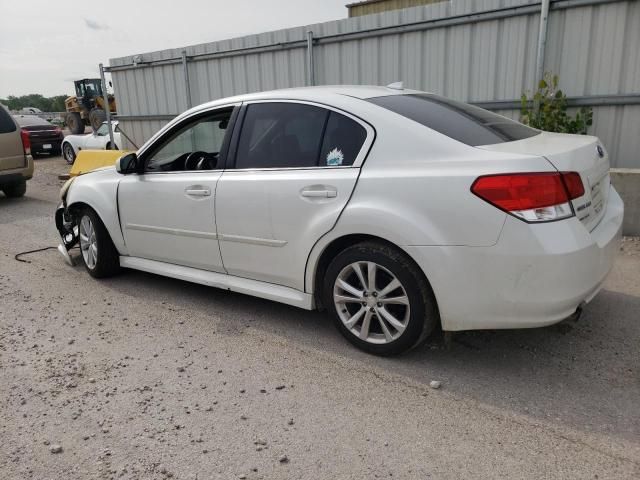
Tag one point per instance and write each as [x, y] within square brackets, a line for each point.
[16, 164]
[98, 140]
[398, 211]
[29, 111]
[44, 137]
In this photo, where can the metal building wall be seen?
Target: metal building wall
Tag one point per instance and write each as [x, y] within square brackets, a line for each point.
[481, 51]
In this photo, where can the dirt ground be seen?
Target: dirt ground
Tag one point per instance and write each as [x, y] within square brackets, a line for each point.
[143, 377]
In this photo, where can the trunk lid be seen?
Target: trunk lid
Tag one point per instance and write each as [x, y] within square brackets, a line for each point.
[571, 153]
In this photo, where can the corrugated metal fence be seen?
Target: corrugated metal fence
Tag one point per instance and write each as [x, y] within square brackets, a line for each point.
[479, 51]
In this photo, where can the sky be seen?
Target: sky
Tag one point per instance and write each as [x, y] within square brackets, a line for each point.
[45, 44]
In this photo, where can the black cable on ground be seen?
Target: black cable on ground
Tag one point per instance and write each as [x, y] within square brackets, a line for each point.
[18, 255]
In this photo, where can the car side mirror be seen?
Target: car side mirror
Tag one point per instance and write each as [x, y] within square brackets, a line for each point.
[128, 163]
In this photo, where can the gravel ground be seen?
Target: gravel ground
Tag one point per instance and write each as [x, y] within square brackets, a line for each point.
[143, 377]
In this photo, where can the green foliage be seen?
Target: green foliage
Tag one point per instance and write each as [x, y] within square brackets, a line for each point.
[547, 109]
[46, 104]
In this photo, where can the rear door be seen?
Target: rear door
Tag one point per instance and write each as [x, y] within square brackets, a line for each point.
[294, 166]
[11, 150]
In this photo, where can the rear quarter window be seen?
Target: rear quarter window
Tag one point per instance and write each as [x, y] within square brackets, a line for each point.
[6, 122]
[463, 122]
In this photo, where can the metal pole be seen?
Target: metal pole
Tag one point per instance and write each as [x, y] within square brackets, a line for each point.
[107, 110]
[542, 41]
[187, 88]
[310, 72]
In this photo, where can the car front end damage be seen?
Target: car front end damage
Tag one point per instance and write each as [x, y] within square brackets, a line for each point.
[65, 224]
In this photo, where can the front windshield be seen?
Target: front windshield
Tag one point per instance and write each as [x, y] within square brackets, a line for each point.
[103, 130]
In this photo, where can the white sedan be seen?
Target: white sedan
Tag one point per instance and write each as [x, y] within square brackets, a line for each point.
[398, 211]
[98, 140]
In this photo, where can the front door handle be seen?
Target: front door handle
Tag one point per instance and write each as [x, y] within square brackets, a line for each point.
[198, 192]
[319, 193]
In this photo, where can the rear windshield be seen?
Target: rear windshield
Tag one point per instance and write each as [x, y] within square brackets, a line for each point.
[28, 120]
[463, 122]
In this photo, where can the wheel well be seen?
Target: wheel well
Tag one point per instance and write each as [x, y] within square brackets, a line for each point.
[338, 245]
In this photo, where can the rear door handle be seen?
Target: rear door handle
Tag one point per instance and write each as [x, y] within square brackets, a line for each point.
[319, 193]
[198, 192]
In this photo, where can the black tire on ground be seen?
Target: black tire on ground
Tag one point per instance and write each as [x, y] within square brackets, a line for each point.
[108, 258]
[15, 190]
[423, 314]
[68, 153]
[96, 117]
[75, 123]
[115, 147]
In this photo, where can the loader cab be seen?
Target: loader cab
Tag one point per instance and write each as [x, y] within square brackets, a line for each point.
[87, 90]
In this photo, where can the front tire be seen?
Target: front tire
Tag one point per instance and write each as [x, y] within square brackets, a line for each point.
[96, 117]
[68, 153]
[99, 255]
[75, 123]
[379, 299]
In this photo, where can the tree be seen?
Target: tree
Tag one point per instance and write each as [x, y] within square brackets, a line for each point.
[46, 104]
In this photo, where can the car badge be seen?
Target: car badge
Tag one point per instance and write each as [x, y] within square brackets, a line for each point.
[600, 151]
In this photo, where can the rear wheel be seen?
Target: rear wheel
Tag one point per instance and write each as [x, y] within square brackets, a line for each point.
[68, 153]
[99, 255]
[15, 190]
[379, 299]
[75, 123]
[96, 117]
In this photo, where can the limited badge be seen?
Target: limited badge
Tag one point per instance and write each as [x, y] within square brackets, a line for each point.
[335, 157]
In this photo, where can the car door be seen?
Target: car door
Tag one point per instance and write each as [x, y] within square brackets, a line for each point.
[294, 166]
[167, 213]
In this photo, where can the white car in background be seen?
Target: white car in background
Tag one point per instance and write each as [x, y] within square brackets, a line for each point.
[398, 211]
[98, 140]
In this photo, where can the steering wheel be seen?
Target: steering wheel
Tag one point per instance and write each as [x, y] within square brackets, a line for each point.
[193, 159]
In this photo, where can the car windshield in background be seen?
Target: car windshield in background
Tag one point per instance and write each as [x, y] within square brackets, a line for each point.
[463, 122]
[29, 120]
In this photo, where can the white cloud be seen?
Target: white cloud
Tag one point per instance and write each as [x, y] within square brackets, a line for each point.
[93, 25]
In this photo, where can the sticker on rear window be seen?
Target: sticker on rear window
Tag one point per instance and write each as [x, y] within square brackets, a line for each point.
[335, 157]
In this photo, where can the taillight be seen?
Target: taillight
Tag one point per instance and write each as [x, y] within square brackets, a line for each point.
[533, 197]
[58, 130]
[26, 142]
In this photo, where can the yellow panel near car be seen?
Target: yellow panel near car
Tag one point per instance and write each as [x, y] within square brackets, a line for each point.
[88, 160]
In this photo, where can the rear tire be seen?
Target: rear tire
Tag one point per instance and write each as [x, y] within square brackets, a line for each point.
[15, 190]
[99, 255]
[96, 117]
[75, 123]
[397, 304]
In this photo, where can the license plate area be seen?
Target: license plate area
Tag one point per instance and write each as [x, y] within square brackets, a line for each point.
[47, 146]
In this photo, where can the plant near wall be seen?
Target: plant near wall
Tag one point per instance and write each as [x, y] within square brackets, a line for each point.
[547, 109]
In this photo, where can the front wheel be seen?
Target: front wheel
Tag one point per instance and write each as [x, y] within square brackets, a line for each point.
[99, 255]
[68, 153]
[379, 299]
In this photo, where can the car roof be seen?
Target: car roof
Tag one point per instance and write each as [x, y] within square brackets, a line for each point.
[27, 120]
[317, 94]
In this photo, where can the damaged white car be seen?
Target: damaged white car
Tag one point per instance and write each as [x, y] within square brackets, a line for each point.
[397, 211]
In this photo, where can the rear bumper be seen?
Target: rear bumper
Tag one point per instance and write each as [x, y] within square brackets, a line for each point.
[17, 175]
[38, 145]
[535, 275]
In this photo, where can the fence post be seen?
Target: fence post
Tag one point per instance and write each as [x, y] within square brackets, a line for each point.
[310, 72]
[185, 70]
[542, 43]
[107, 109]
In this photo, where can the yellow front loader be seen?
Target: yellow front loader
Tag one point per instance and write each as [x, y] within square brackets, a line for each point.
[87, 106]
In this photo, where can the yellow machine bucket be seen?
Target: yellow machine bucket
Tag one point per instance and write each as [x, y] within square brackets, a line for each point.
[88, 160]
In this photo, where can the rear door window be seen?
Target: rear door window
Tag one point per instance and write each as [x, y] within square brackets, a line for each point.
[6, 123]
[460, 121]
[293, 135]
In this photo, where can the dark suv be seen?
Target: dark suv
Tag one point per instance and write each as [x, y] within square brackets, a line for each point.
[44, 137]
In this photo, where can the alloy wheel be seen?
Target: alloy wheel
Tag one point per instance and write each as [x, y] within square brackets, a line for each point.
[88, 242]
[371, 302]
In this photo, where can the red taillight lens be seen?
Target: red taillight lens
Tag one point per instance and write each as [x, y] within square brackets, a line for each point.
[574, 185]
[58, 130]
[531, 196]
[26, 142]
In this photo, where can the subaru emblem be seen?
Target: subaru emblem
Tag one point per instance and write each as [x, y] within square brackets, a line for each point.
[600, 151]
